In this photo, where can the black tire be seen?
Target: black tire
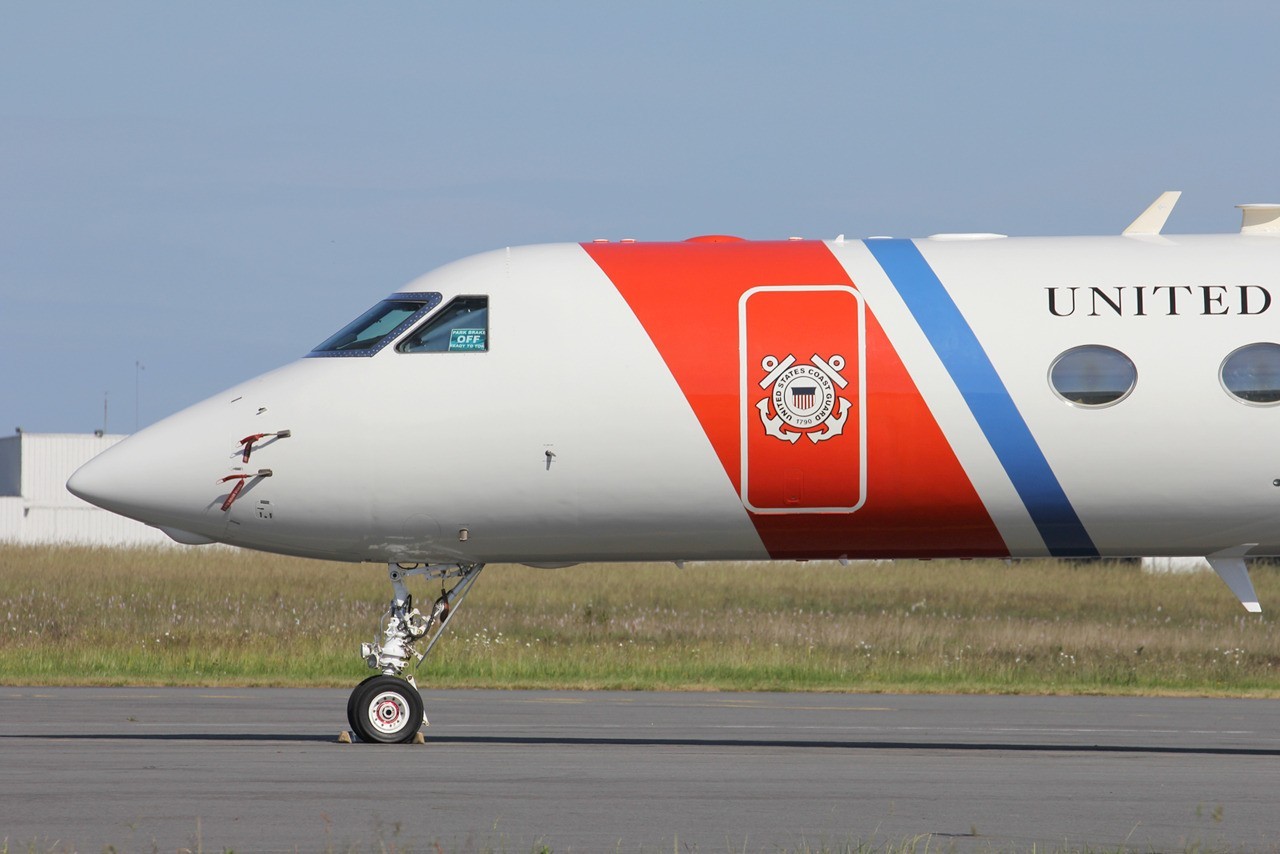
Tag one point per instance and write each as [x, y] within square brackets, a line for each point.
[387, 710]
[351, 702]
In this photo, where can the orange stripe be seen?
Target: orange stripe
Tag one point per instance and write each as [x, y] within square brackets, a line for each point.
[919, 502]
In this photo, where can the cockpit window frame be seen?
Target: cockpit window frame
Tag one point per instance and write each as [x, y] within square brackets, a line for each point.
[427, 322]
[431, 300]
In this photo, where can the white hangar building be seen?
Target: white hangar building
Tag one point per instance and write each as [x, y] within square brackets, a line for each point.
[35, 507]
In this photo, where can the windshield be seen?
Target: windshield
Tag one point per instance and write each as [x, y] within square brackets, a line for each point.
[378, 326]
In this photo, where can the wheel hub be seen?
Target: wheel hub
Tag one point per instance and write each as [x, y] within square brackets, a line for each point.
[388, 712]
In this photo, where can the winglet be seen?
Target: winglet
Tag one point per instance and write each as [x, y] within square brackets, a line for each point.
[1229, 564]
[1151, 220]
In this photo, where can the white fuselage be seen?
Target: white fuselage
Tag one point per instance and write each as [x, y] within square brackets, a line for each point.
[621, 411]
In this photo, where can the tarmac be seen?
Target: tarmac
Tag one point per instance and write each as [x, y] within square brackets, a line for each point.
[263, 770]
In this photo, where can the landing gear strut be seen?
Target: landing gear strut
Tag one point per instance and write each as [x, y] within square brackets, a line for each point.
[388, 708]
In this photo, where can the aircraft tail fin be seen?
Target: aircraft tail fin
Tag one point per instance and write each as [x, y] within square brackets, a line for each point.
[1260, 219]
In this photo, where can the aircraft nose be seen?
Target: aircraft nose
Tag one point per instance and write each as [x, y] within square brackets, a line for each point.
[86, 482]
[158, 476]
[121, 480]
[105, 480]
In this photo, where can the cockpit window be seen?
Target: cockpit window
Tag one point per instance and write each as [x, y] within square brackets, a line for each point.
[461, 326]
[378, 326]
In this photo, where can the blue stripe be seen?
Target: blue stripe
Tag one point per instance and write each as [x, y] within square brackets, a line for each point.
[988, 399]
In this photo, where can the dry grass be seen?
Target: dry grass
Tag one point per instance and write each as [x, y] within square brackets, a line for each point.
[921, 844]
[84, 616]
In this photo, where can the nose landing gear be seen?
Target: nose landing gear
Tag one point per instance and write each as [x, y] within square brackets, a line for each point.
[387, 708]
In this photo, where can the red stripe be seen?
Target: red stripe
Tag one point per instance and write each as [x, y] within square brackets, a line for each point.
[919, 502]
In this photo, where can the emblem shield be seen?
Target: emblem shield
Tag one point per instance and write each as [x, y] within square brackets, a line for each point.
[803, 398]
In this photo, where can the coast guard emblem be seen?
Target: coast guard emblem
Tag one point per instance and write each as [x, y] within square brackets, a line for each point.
[804, 399]
[793, 404]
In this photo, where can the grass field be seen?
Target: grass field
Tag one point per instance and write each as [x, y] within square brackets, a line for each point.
[226, 617]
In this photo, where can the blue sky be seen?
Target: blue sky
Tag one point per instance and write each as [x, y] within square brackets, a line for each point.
[212, 189]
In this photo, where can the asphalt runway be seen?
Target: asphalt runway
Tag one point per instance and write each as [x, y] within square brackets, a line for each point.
[261, 769]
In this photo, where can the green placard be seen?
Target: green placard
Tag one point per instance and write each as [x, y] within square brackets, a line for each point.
[467, 339]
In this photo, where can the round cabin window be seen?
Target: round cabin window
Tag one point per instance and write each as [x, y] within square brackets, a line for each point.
[1093, 375]
[1252, 373]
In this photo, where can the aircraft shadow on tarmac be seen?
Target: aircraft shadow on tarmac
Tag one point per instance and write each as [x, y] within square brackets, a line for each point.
[730, 743]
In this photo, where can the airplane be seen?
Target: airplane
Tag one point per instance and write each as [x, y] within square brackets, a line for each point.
[959, 395]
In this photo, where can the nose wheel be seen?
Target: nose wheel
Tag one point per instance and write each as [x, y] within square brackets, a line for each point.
[385, 709]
